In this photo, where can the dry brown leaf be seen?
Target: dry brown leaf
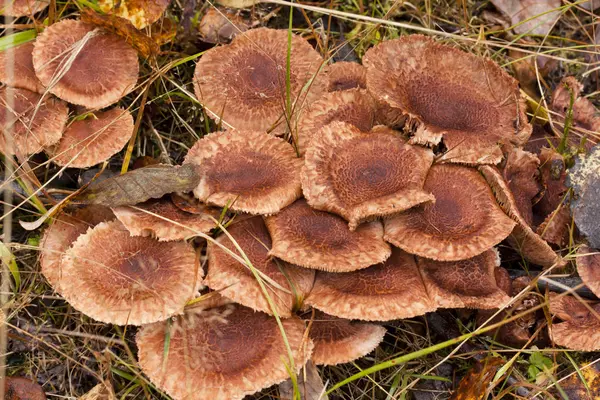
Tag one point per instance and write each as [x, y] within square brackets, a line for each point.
[474, 385]
[310, 385]
[575, 388]
[530, 16]
[102, 391]
[140, 13]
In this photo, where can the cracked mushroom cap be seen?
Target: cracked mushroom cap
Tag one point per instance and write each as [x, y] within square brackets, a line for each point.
[588, 267]
[286, 284]
[468, 101]
[16, 68]
[521, 173]
[320, 240]
[244, 83]
[121, 279]
[345, 75]
[462, 222]
[225, 352]
[339, 341]
[95, 139]
[140, 13]
[162, 220]
[248, 171]
[84, 65]
[383, 292]
[361, 176]
[22, 8]
[34, 121]
[580, 329]
[467, 283]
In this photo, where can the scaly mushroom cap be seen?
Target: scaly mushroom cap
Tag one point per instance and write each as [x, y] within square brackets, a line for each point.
[581, 327]
[467, 283]
[161, 219]
[345, 75]
[588, 267]
[467, 100]
[121, 279]
[319, 240]
[248, 171]
[222, 353]
[338, 341]
[553, 171]
[244, 83]
[22, 8]
[391, 290]
[364, 175]
[585, 115]
[286, 284]
[521, 173]
[140, 13]
[464, 220]
[33, 121]
[95, 139]
[84, 65]
[16, 388]
[16, 68]
[556, 227]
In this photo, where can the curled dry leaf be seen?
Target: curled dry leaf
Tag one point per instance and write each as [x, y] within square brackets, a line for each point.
[310, 385]
[530, 16]
[475, 385]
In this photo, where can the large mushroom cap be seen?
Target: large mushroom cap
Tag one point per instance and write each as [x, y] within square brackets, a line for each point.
[391, 290]
[21, 8]
[588, 267]
[467, 100]
[286, 284]
[467, 283]
[84, 65]
[16, 68]
[121, 279]
[364, 175]
[94, 139]
[345, 75]
[222, 353]
[580, 329]
[464, 220]
[247, 171]
[141, 13]
[319, 240]
[33, 121]
[244, 83]
[338, 341]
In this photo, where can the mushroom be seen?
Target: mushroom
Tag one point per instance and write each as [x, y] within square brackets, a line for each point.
[246, 171]
[121, 279]
[22, 8]
[140, 13]
[319, 240]
[345, 75]
[468, 101]
[383, 292]
[16, 68]
[286, 284]
[33, 121]
[464, 221]
[84, 65]
[223, 352]
[556, 227]
[219, 25]
[580, 329]
[588, 267]
[90, 141]
[521, 174]
[16, 388]
[362, 176]
[585, 115]
[243, 84]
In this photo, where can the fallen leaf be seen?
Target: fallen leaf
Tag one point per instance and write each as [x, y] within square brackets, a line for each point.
[527, 67]
[22, 389]
[530, 16]
[475, 384]
[102, 391]
[310, 385]
[140, 13]
[575, 388]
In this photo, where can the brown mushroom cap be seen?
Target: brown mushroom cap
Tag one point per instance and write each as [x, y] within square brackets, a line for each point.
[248, 171]
[467, 283]
[364, 175]
[345, 75]
[391, 290]
[521, 173]
[161, 219]
[33, 121]
[21, 8]
[16, 68]
[121, 279]
[244, 83]
[556, 227]
[16, 388]
[84, 65]
[338, 341]
[226, 352]
[286, 284]
[469, 101]
[581, 327]
[95, 139]
[585, 115]
[588, 267]
[464, 220]
[319, 240]
[140, 13]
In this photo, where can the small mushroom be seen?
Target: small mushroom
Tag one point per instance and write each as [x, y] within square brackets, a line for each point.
[16, 68]
[580, 329]
[585, 115]
[246, 171]
[319, 240]
[16, 388]
[345, 75]
[218, 25]
[22, 8]
[362, 176]
[588, 267]
[556, 227]
[522, 176]
[140, 13]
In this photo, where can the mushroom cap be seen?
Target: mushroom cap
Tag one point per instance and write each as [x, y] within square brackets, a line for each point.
[557, 226]
[121, 279]
[521, 173]
[383, 292]
[21, 8]
[94, 139]
[248, 171]
[345, 75]
[581, 327]
[140, 13]
[585, 115]
[33, 120]
[361, 176]
[469, 101]
[244, 83]
[464, 220]
[226, 352]
[16, 68]
[588, 268]
[339, 341]
[161, 219]
[221, 25]
[16, 388]
[553, 171]
[467, 283]
[287, 284]
[320, 240]
[104, 67]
